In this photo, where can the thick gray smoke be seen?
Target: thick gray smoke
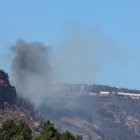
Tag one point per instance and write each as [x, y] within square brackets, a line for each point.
[32, 70]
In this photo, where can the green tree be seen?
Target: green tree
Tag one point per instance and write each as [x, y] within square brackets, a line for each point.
[8, 129]
[49, 132]
[67, 136]
[12, 131]
[23, 132]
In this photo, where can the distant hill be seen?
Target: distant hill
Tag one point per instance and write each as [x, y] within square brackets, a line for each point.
[97, 88]
[88, 111]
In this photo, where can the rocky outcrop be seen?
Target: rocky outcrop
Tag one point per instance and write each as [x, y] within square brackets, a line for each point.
[7, 91]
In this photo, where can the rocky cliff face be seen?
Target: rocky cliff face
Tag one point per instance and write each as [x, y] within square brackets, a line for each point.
[12, 106]
[7, 91]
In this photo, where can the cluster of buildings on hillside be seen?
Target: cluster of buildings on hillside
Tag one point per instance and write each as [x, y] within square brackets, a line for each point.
[107, 93]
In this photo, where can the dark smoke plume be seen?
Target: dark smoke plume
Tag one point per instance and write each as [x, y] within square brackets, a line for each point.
[32, 70]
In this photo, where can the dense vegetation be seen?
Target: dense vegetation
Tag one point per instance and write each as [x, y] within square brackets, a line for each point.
[21, 131]
[11, 131]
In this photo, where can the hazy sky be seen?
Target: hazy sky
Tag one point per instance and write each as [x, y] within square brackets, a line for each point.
[47, 21]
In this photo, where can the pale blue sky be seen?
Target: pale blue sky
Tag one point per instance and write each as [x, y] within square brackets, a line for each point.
[44, 21]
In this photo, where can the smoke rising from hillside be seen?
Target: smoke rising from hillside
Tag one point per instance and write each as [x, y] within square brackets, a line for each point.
[32, 70]
[37, 68]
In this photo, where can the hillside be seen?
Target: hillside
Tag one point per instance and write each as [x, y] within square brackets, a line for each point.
[96, 112]
[12, 106]
[19, 120]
